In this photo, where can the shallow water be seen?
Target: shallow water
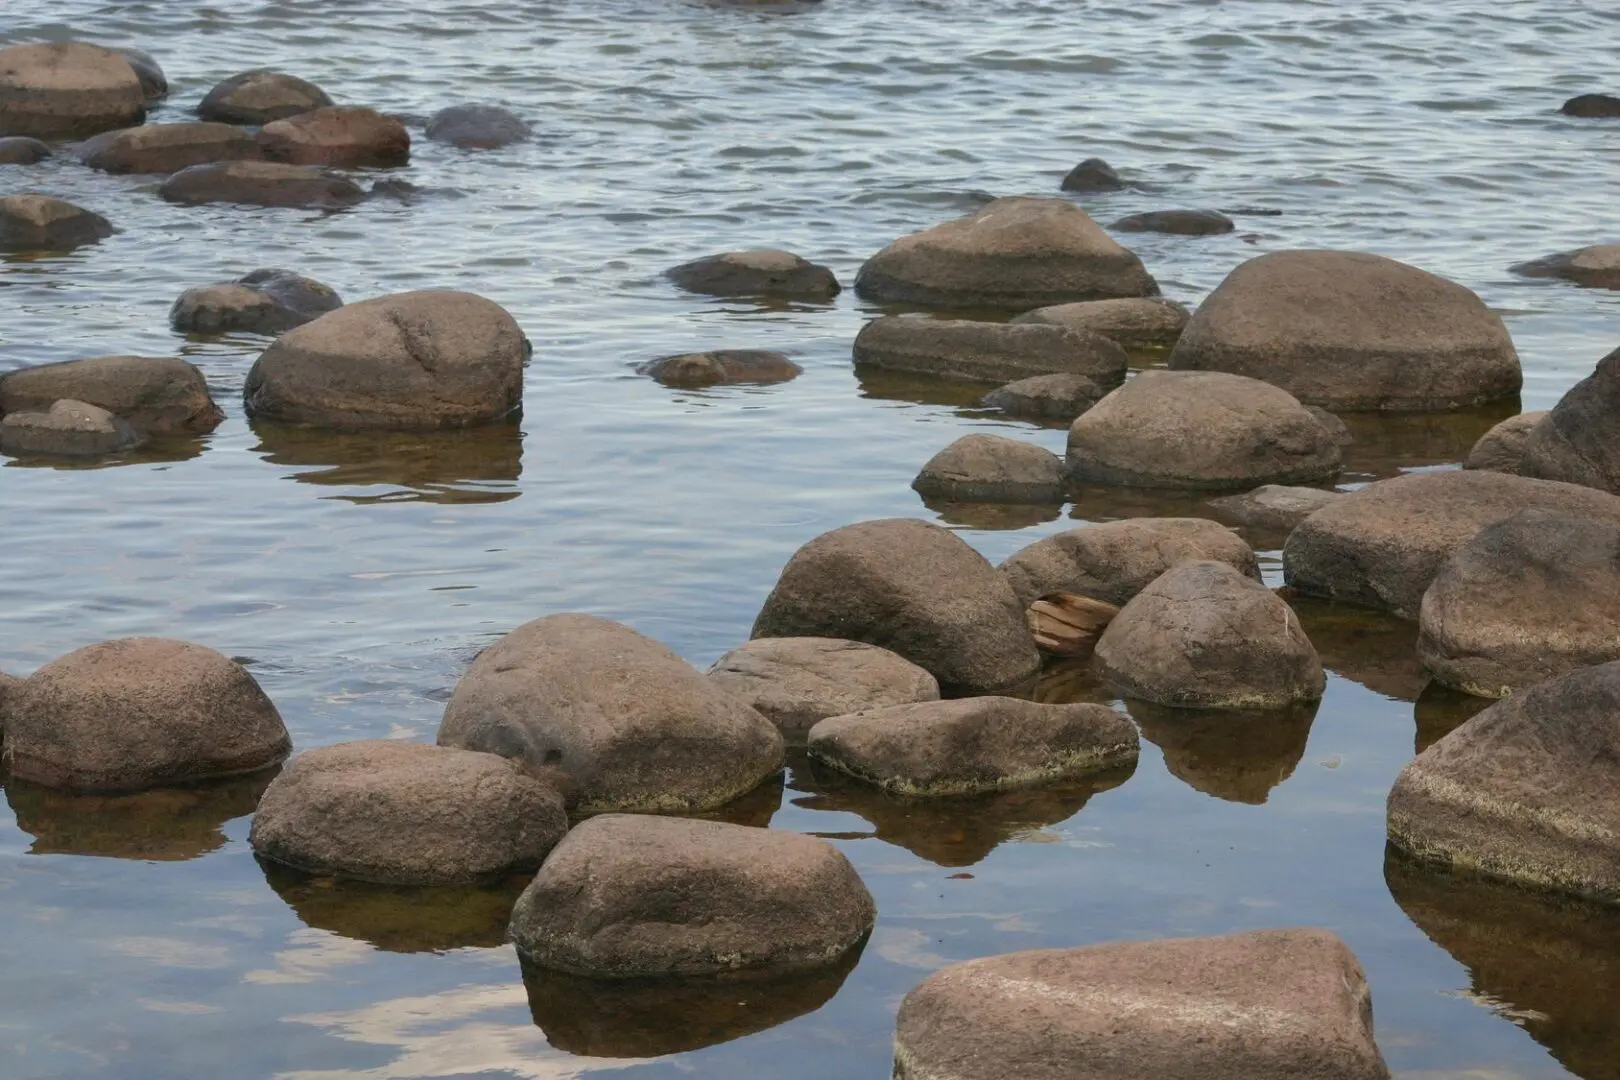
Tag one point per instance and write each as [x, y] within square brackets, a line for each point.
[139, 938]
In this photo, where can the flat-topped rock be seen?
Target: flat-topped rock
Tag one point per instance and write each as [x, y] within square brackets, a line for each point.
[1046, 397]
[337, 135]
[268, 302]
[986, 352]
[157, 394]
[167, 148]
[22, 150]
[43, 223]
[722, 367]
[992, 468]
[1115, 560]
[67, 429]
[262, 183]
[759, 272]
[1134, 322]
[1272, 506]
[67, 89]
[477, 127]
[261, 97]
[1595, 267]
[1176, 222]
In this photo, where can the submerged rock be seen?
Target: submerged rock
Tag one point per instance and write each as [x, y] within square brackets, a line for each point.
[157, 394]
[1177, 222]
[262, 183]
[1502, 449]
[1272, 506]
[67, 429]
[477, 127]
[1595, 267]
[1046, 397]
[761, 272]
[1132, 321]
[21, 150]
[41, 223]
[986, 352]
[167, 148]
[154, 84]
[722, 366]
[1590, 106]
[337, 136]
[261, 97]
[1116, 560]
[67, 89]
[1093, 174]
[992, 468]
[265, 302]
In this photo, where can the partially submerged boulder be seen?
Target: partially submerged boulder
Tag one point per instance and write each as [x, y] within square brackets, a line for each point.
[1133, 321]
[157, 394]
[262, 183]
[1176, 222]
[477, 127]
[67, 89]
[67, 429]
[1502, 449]
[167, 148]
[1116, 560]
[1578, 441]
[986, 352]
[1092, 175]
[337, 136]
[22, 150]
[1595, 267]
[1046, 397]
[1272, 506]
[154, 84]
[721, 367]
[261, 97]
[43, 223]
[265, 302]
[992, 468]
[759, 272]
[1592, 106]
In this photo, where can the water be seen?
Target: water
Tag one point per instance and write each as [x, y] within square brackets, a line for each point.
[139, 938]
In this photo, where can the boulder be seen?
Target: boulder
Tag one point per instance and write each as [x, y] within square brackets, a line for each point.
[1592, 106]
[763, 272]
[986, 352]
[1013, 254]
[167, 148]
[1204, 636]
[337, 136]
[1578, 441]
[67, 429]
[266, 302]
[9, 685]
[1502, 449]
[913, 588]
[1046, 397]
[1525, 600]
[1134, 322]
[992, 468]
[1346, 330]
[404, 813]
[21, 150]
[1381, 546]
[1524, 791]
[262, 183]
[1203, 430]
[1176, 222]
[629, 895]
[41, 223]
[797, 681]
[416, 360]
[1272, 506]
[1336, 428]
[631, 724]
[67, 89]
[973, 745]
[154, 84]
[159, 395]
[1091, 175]
[137, 713]
[1264, 1005]
[1595, 267]
[1116, 560]
[722, 366]
[477, 127]
[261, 97]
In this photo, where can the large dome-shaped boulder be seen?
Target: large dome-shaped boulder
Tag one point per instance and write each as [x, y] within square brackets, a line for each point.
[261, 183]
[1115, 560]
[986, 352]
[337, 136]
[627, 896]
[1199, 430]
[137, 713]
[992, 468]
[405, 813]
[159, 395]
[1346, 330]
[1013, 254]
[43, 223]
[261, 97]
[632, 725]
[761, 272]
[67, 89]
[910, 587]
[1594, 267]
[167, 148]
[265, 302]
[1131, 321]
[417, 360]
[67, 429]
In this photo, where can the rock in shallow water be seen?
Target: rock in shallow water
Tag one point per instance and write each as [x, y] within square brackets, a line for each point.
[1502, 449]
[762, 272]
[1591, 106]
[337, 136]
[1091, 175]
[477, 127]
[262, 302]
[985, 351]
[1176, 222]
[154, 84]
[21, 150]
[1115, 560]
[992, 468]
[1046, 397]
[67, 429]
[722, 366]
[1272, 506]
[67, 89]
[157, 394]
[167, 148]
[41, 223]
[1595, 267]
[1132, 321]
[262, 183]
[261, 97]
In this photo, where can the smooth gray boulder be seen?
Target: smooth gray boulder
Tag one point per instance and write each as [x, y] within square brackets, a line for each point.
[160, 395]
[720, 367]
[261, 97]
[43, 223]
[1115, 560]
[762, 272]
[335, 135]
[1092, 175]
[1595, 267]
[1176, 222]
[1046, 397]
[67, 89]
[1272, 506]
[992, 468]
[266, 302]
[66, 429]
[477, 127]
[167, 148]
[986, 352]
[1134, 322]
[262, 183]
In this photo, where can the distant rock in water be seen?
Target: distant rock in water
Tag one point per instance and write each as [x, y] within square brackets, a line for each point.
[1592, 106]
[1093, 174]
[986, 351]
[337, 136]
[722, 366]
[1131, 321]
[154, 84]
[41, 223]
[1178, 222]
[158, 394]
[167, 148]
[1595, 267]
[262, 302]
[762, 272]
[67, 90]
[1575, 441]
[22, 150]
[992, 468]
[262, 183]
[261, 97]
[67, 429]
[477, 127]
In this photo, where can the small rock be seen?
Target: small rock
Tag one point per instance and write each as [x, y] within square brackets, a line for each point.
[21, 150]
[41, 223]
[1595, 267]
[986, 352]
[266, 302]
[154, 84]
[1577, 440]
[167, 148]
[141, 712]
[1591, 106]
[67, 90]
[1134, 322]
[1177, 222]
[1116, 560]
[1093, 174]
[633, 895]
[1503, 448]
[1272, 506]
[1046, 397]
[407, 814]
[1336, 428]
[68, 429]
[992, 468]
[797, 681]
[722, 366]
[261, 97]
[477, 127]
[765, 272]
[262, 183]
[1065, 624]
[159, 395]
[337, 136]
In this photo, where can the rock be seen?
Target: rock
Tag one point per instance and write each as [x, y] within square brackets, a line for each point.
[67, 89]
[41, 223]
[9, 684]
[1203, 430]
[1134, 322]
[262, 183]
[1065, 624]
[1046, 397]
[1093, 174]
[1591, 106]
[67, 429]
[337, 136]
[973, 745]
[992, 468]
[722, 366]
[1013, 254]
[910, 587]
[1595, 267]
[21, 150]
[416, 360]
[632, 895]
[628, 721]
[477, 127]
[1116, 560]
[1272, 506]
[1176, 222]
[1502, 449]
[266, 302]
[1382, 545]
[1346, 330]
[1576, 441]
[402, 191]
[1336, 428]
[986, 352]
[159, 395]
[764, 272]
[1525, 790]
[407, 814]
[1525, 600]
[137, 713]
[261, 97]
[1204, 636]
[167, 148]
[154, 84]
[797, 681]
[1265, 1005]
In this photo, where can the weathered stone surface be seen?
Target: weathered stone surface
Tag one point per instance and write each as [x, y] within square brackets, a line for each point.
[1116, 560]
[1336, 428]
[973, 745]
[722, 366]
[261, 97]
[67, 89]
[337, 135]
[796, 681]
[137, 713]
[762, 272]
[992, 468]
[477, 127]
[1272, 506]
[9, 685]
[1595, 267]
[1265, 1005]
[67, 429]
[1132, 321]
[1204, 636]
[1578, 441]
[1199, 430]
[1176, 222]
[1046, 397]
[266, 302]
[633, 895]
[1013, 254]
[910, 587]
[1502, 449]
[1592, 106]
[157, 394]
[1093, 174]
[1346, 330]
[41, 223]
[1382, 545]
[417, 360]
[154, 84]
[21, 150]
[262, 183]
[987, 352]
[634, 726]
[167, 148]
[407, 814]
[1525, 790]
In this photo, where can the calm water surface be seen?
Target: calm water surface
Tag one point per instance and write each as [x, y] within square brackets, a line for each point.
[139, 938]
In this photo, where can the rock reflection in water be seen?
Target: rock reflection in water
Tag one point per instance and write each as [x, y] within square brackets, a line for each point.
[1238, 755]
[1371, 648]
[988, 515]
[1386, 444]
[1551, 965]
[886, 385]
[1094, 503]
[474, 465]
[1079, 681]
[165, 824]
[1441, 710]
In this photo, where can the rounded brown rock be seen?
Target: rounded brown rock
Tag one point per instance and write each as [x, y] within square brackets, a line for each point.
[1272, 506]
[337, 136]
[1595, 267]
[1576, 441]
[67, 429]
[1092, 175]
[43, 223]
[1176, 222]
[167, 148]
[760, 272]
[986, 351]
[154, 84]
[992, 468]
[477, 127]
[1115, 560]
[262, 183]
[722, 367]
[159, 395]
[1134, 322]
[266, 302]
[1502, 449]
[1046, 397]
[67, 89]
[21, 150]
[261, 97]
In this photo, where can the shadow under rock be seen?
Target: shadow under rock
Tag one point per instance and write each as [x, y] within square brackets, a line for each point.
[470, 465]
[1239, 755]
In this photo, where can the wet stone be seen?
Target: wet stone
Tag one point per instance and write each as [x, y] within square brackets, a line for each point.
[167, 148]
[761, 272]
[985, 351]
[157, 394]
[1176, 222]
[43, 223]
[261, 97]
[1591, 106]
[337, 136]
[1272, 506]
[262, 183]
[1595, 267]
[21, 150]
[721, 367]
[1091, 175]
[477, 127]
[1134, 322]
[992, 468]
[67, 89]
[1503, 448]
[1046, 397]
[1115, 560]
[266, 302]
[154, 84]
[67, 429]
